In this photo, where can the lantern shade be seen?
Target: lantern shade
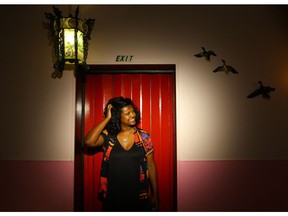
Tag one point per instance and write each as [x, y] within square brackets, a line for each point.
[68, 44]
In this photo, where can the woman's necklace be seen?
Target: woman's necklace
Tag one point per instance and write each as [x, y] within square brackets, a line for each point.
[128, 135]
[126, 139]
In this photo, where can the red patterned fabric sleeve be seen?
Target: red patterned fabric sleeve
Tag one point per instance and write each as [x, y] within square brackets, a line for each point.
[148, 146]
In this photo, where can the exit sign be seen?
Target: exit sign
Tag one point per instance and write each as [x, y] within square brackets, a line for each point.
[124, 58]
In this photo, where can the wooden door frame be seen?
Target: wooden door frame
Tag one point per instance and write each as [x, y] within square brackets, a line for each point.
[80, 120]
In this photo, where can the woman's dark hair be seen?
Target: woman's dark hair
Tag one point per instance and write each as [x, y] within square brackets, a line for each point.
[114, 125]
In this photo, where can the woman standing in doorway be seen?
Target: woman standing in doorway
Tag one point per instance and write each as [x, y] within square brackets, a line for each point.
[128, 165]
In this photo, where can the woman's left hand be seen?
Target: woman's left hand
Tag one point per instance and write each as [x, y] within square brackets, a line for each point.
[155, 203]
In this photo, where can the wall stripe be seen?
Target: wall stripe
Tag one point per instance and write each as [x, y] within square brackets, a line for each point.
[36, 185]
[259, 185]
[245, 185]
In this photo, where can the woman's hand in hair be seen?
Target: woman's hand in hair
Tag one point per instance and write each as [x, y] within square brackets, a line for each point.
[109, 114]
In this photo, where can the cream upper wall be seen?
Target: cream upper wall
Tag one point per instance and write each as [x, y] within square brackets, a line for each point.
[37, 111]
[215, 120]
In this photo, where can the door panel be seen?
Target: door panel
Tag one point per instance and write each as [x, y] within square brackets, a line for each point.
[153, 94]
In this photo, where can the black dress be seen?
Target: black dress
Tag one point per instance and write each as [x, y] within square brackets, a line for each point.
[123, 180]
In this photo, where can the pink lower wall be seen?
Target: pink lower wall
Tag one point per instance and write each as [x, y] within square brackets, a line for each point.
[243, 185]
[36, 185]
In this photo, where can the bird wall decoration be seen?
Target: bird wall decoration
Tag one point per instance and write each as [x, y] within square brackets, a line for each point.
[206, 54]
[225, 68]
[262, 90]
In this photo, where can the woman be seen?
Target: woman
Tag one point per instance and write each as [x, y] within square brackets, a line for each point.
[128, 164]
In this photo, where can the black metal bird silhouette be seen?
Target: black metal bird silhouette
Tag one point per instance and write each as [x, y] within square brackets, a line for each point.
[205, 54]
[262, 90]
[225, 68]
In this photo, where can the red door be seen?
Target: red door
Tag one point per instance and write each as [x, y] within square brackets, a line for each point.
[154, 94]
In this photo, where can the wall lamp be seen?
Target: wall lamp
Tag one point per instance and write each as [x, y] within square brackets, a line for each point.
[69, 36]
